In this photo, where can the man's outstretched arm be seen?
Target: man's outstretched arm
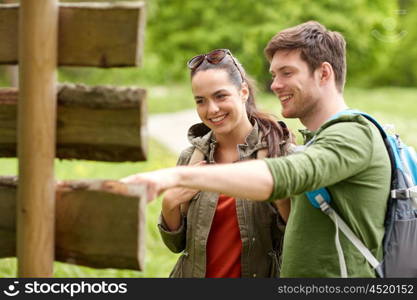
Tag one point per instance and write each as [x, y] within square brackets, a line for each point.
[248, 180]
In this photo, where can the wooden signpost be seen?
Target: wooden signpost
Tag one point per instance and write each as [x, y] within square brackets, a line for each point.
[98, 223]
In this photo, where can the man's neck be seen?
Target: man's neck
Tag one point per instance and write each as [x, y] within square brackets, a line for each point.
[324, 112]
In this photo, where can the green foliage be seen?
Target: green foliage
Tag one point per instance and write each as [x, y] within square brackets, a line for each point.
[402, 67]
[178, 30]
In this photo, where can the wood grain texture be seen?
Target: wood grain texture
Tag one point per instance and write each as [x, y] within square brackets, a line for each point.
[90, 34]
[38, 37]
[9, 24]
[100, 123]
[98, 223]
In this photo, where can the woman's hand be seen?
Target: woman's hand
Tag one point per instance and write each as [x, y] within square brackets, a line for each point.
[174, 201]
[174, 197]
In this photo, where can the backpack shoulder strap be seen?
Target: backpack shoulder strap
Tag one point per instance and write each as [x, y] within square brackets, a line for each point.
[341, 224]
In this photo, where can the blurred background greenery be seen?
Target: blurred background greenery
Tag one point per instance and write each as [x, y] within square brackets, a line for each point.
[381, 36]
[382, 77]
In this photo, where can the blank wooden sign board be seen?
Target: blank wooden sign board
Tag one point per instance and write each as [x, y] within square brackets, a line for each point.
[89, 34]
[97, 223]
[112, 121]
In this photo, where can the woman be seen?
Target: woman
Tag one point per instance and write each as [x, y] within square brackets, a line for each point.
[221, 236]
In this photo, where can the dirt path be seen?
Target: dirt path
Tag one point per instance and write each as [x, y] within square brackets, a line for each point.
[171, 128]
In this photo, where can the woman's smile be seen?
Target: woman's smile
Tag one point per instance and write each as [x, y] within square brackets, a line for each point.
[218, 120]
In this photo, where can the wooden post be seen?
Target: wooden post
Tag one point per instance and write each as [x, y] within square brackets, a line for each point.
[38, 24]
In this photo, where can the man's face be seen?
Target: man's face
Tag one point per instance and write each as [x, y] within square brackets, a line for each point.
[293, 83]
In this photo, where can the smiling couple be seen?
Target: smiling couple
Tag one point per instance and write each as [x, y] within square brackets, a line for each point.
[228, 218]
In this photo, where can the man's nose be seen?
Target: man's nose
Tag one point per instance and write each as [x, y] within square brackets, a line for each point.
[276, 84]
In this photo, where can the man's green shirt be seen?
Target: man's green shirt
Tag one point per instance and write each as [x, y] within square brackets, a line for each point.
[348, 157]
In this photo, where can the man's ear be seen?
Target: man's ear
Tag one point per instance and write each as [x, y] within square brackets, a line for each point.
[326, 72]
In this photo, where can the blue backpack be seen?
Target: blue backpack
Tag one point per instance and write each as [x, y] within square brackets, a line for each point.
[400, 239]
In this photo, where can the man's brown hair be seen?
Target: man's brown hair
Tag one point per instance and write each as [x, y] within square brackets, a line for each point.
[316, 45]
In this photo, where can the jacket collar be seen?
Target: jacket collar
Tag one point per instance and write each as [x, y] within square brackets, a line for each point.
[203, 138]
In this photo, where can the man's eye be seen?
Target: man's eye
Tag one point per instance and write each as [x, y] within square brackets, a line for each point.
[287, 73]
[199, 101]
[221, 96]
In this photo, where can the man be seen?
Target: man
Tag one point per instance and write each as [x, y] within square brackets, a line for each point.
[307, 63]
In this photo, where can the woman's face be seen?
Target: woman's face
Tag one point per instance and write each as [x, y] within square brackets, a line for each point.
[220, 104]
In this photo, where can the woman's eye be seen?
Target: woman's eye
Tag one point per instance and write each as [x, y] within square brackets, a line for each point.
[221, 96]
[287, 74]
[199, 101]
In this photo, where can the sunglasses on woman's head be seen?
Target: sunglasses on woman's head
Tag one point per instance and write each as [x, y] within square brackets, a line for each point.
[214, 57]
